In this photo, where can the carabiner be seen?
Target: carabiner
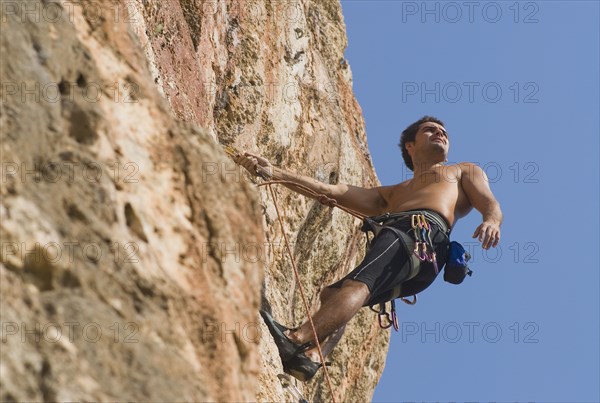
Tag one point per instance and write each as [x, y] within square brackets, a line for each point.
[394, 316]
[423, 234]
[409, 302]
[434, 260]
[387, 316]
[416, 249]
[381, 313]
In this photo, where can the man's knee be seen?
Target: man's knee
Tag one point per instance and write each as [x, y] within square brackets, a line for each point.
[358, 288]
[358, 285]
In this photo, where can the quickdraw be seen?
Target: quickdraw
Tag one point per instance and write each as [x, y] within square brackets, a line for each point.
[386, 320]
[422, 232]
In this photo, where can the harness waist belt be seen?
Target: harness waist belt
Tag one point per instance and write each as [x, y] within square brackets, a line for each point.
[429, 214]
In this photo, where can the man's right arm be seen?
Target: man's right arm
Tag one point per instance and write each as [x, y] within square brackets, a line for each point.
[369, 202]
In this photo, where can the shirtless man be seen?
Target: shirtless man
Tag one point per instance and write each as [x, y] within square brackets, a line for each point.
[441, 193]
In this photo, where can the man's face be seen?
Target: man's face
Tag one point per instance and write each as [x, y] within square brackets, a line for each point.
[430, 137]
[431, 134]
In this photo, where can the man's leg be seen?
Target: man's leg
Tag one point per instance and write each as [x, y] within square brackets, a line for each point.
[338, 306]
[329, 342]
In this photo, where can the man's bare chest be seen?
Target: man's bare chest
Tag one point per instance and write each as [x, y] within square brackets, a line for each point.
[435, 184]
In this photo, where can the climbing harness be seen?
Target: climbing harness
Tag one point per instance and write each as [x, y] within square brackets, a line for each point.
[287, 384]
[423, 251]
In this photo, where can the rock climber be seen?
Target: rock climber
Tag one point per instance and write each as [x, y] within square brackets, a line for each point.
[438, 195]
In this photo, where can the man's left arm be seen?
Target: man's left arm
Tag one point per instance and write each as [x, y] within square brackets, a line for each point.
[476, 186]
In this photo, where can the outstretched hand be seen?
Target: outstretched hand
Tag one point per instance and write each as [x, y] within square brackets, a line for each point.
[488, 233]
[255, 165]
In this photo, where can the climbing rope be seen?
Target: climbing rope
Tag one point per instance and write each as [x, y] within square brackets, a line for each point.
[304, 299]
[323, 199]
[234, 153]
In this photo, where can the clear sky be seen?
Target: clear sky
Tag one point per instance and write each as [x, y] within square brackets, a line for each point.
[517, 85]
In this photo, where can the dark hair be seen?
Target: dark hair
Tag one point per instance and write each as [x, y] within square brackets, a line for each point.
[410, 133]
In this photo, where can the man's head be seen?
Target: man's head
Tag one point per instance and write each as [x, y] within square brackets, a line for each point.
[427, 126]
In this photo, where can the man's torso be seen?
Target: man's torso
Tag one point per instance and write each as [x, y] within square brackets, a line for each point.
[438, 189]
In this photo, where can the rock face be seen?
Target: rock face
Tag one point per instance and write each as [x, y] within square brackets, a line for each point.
[135, 256]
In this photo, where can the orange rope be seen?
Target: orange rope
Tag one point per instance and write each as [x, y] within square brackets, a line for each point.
[324, 199]
[304, 300]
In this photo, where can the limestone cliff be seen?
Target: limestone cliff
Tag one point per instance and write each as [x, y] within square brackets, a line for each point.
[135, 255]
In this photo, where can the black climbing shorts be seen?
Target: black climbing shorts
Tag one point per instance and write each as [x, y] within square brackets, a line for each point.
[387, 266]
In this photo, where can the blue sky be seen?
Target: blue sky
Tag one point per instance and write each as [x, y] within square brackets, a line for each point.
[517, 85]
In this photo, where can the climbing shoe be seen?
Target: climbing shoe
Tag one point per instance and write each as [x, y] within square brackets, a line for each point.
[287, 348]
[301, 367]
